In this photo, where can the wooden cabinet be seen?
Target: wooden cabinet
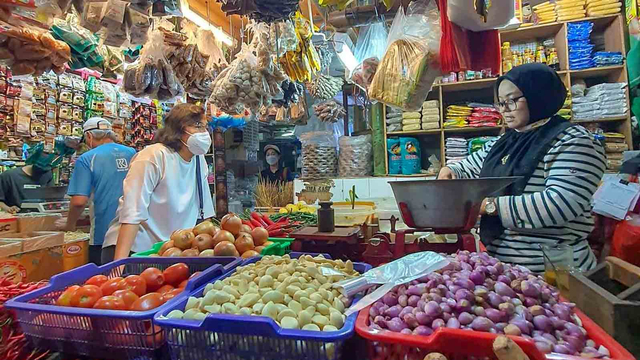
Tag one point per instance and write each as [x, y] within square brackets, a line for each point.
[612, 27]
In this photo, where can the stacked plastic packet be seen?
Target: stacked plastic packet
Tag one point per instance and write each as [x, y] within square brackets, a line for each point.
[568, 10]
[614, 145]
[476, 144]
[411, 121]
[603, 7]
[431, 115]
[580, 46]
[393, 119]
[483, 115]
[456, 149]
[565, 112]
[545, 12]
[456, 116]
[607, 100]
[607, 58]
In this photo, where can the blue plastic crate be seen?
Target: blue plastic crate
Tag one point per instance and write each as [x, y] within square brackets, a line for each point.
[106, 334]
[249, 337]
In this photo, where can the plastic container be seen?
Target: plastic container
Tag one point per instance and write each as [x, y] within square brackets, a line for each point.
[346, 216]
[280, 247]
[154, 250]
[106, 334]
[476, 344]
[249, 337]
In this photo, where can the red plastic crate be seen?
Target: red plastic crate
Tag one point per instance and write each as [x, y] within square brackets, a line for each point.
[462, 344]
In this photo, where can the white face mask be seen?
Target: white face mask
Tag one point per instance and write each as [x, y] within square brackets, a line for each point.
[272, 159]
[198, 143]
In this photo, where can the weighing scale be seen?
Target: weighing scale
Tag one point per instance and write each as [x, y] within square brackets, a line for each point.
[46, 199]
[439, 206]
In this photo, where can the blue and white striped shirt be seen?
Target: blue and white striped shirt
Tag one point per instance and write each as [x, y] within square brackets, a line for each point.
[555, 207]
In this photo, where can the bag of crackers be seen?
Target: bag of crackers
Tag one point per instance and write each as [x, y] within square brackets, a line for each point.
[410, 64]
[31, 50]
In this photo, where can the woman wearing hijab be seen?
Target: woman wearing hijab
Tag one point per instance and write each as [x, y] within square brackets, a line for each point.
[560, 164]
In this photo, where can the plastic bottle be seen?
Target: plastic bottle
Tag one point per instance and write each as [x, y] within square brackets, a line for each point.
[507, 57]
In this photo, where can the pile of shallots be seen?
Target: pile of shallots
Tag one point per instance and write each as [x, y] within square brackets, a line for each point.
[478, 292]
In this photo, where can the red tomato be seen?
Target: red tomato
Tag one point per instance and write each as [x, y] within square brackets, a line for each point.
[128, 296]
[147, 302]
[109, 287]
[171, 294]
[96, 280]
[65, 297]
[165, 289]
[110, 302]
[134, 283]
[176, 273]
[86, 296]
[153, 277]
[183, 284]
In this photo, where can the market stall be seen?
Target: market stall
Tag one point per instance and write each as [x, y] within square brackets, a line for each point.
[325, 124]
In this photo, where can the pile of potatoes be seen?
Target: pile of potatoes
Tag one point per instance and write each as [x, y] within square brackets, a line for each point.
[295, 293]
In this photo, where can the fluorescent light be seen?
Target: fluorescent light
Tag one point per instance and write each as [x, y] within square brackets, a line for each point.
[201, 22]
[346, 56]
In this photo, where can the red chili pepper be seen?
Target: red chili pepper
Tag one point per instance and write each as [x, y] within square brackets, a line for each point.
[249, 224]
[283, 219]
[276, 233]
[258, 218]
[267, 220]
[255, 223]
[277, 226]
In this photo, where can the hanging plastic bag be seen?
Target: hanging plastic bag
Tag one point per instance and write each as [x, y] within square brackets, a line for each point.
[151, 75]
[411, 62]
[626, 240]
[370, 48]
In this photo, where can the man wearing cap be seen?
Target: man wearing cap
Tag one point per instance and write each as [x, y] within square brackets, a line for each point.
[275, 172]
[98, 174]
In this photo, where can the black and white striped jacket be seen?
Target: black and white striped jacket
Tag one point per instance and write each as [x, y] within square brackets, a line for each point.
[555, 207]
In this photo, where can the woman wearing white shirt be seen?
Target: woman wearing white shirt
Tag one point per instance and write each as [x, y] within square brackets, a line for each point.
[161, 192]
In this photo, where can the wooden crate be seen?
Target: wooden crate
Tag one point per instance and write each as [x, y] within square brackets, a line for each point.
[610, 296]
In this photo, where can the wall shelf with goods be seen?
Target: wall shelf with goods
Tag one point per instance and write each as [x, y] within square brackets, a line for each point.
[611, 27]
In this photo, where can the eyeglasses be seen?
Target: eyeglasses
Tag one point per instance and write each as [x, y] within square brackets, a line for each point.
[508, 105]
[199, 126]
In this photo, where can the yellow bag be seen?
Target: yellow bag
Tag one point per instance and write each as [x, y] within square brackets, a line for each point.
[617, 6]
[459, 108]
[411, 121]
[601, 3]
[542, 5]
[572, 13]
[580, 4]
[569, 3]
[603, 12]
[412, 127]
[411, 115]
[546, 14]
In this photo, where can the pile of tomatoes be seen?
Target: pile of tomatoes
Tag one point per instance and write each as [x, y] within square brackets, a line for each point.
[146, 291]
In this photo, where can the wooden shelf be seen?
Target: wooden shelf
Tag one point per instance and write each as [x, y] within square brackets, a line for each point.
[595, 72]
[415, 132]
[546, 30]
[468, 85]
[622, 118]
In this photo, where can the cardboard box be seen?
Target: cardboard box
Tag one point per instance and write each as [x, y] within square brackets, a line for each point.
[40, 222]
[35, 265]
[36, 240]
[8, 225]
[31, 256]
